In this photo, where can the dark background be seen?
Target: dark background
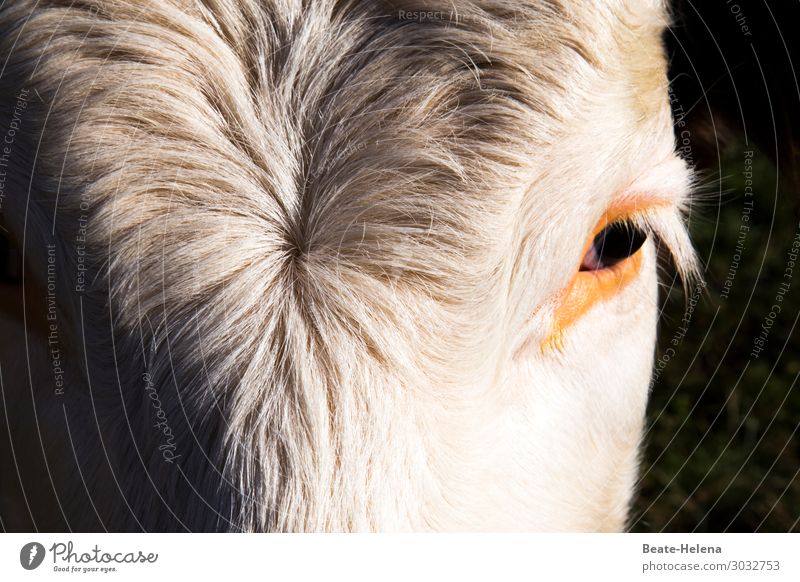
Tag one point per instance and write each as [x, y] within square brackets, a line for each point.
[722, 447]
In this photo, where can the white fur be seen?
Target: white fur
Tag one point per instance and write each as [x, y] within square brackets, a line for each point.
[325, 243]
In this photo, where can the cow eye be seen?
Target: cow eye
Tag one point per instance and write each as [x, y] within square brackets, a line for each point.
[612, 245]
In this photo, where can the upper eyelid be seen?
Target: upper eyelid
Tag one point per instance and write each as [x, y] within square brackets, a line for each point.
[667, 183]
[658, 201]
[630, 208]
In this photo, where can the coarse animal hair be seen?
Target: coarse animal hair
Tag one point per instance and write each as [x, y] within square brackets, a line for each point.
[309, 230]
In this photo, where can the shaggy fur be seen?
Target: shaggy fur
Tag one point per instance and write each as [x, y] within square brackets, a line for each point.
[316, 234]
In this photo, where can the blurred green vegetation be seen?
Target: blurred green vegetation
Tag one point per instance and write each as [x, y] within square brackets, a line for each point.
[722, 451]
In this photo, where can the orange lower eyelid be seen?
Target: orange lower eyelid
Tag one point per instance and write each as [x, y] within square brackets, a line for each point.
[588, 288]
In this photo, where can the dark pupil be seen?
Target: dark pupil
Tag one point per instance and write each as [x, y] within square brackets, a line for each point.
[616, 242]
